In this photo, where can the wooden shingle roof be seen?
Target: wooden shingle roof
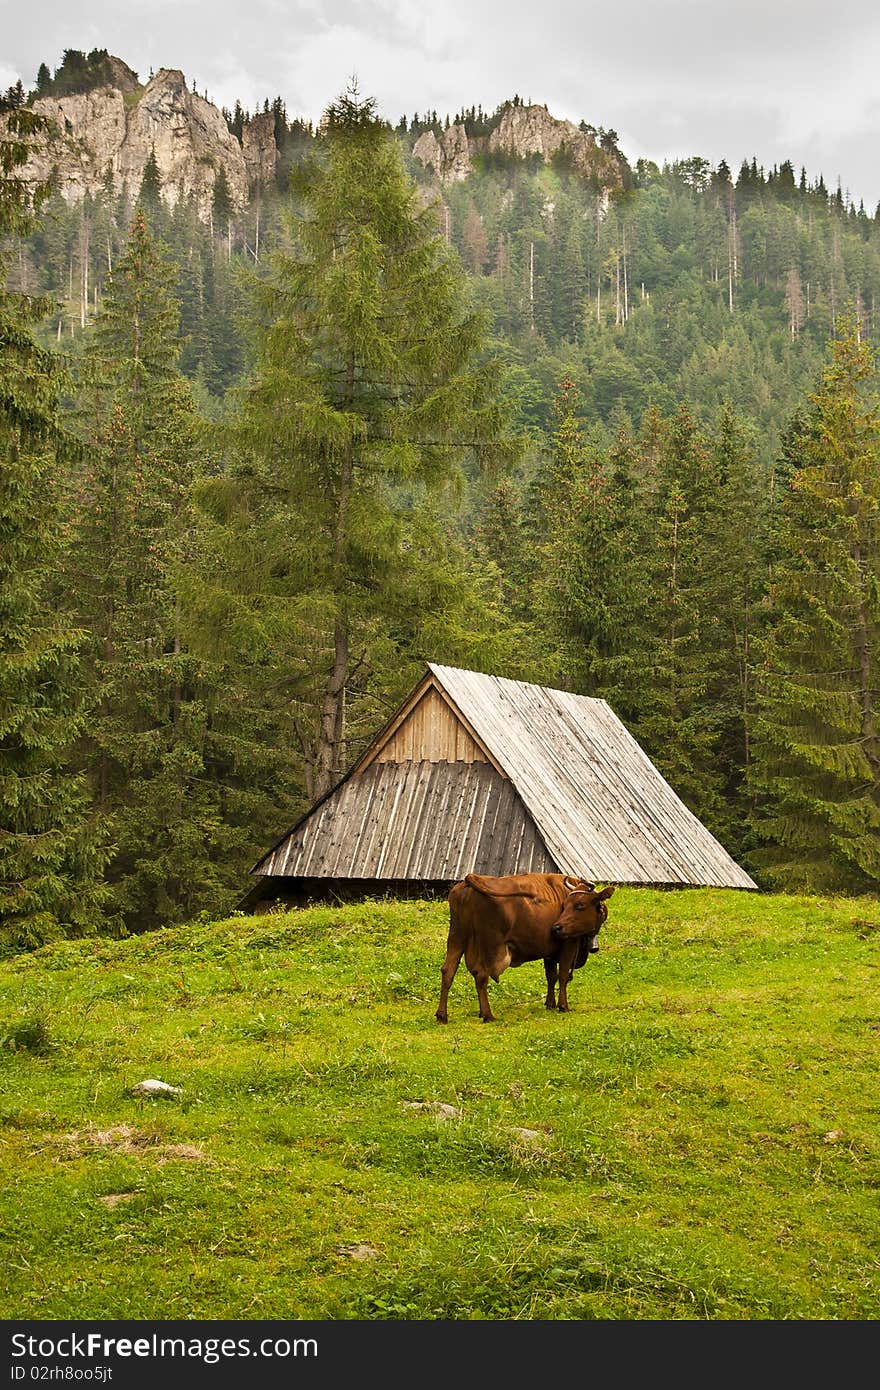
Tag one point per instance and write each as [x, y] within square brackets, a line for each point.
[417, 821]
[602, 808]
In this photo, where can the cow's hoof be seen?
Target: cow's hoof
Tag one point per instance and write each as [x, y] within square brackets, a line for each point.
[489, 1018]
[563, 1008]
[441, 1018]
[550, 1004]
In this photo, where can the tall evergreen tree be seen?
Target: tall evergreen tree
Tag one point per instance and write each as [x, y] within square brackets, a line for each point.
[145, 746]
[601, 562]
[677, 642]
[222, 206]
[51, 849]
[366, 393]
[818, 741]
[735, 591]
[150, 194]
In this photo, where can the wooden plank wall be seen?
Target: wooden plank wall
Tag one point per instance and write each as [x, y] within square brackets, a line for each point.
[432, 734]
[415, 821]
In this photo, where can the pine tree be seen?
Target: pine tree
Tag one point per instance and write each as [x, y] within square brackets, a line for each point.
[817, 741]
[602, 567]
[475, 243]
[222, 206]
[150, 194]
[145, 746]
[51, 851]
[735, 591]
[365, 394]
[502, 539]
[676, 642]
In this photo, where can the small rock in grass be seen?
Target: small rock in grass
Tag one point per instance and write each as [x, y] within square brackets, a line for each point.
[154, 1088]
[112, 1199]
[435, 1107]
[526, 1133]
[357, 1252]
[833, 1136]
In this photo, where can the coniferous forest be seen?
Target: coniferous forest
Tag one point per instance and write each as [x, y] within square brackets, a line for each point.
[258, 468]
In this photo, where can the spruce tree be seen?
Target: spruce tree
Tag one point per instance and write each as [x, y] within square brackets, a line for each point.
[144, 749]
[150, 193]
[503, 539]
[222, 206]
[736, 591]
[366, 393]
[662, 680]
[817, 740]
[51, 851]
[601, 562]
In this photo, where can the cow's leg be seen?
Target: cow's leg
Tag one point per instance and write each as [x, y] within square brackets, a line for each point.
[454, 953]
[566, 970]
[480, 968]
[497, 964]
[551, 967]
[481, 980]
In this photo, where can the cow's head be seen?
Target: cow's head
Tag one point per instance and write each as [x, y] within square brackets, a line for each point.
[583, 913]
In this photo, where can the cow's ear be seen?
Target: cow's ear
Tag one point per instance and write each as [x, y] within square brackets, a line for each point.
[606, 893]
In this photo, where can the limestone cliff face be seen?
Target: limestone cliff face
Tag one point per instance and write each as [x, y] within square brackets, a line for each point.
[522, 131]
[450, 156]
[527, 130]
[113, 130]
[259, 148]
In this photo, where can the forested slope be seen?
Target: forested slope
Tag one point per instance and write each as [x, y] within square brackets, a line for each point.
[293, 463]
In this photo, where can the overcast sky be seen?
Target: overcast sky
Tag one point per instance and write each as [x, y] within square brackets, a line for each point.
[796, 79]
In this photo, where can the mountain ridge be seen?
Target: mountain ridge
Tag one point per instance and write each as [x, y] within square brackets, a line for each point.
[107, 135]
[102, 134]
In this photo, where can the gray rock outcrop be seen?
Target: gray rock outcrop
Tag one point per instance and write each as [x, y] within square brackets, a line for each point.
[259, 149]
[522, 131]
[450, 156]
[111, 131]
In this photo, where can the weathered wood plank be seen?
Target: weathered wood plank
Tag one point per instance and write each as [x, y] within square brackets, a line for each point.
[431, 732]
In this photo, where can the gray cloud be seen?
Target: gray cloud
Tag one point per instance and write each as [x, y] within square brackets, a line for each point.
[772, 78]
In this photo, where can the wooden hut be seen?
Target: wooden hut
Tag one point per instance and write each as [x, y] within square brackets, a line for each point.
[478, 774]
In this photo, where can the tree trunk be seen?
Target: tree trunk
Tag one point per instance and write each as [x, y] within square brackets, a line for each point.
[331, 735]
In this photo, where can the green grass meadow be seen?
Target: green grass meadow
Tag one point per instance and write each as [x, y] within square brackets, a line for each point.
[698, 1139]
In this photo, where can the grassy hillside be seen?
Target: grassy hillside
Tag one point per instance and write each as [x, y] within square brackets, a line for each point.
[698, 1139]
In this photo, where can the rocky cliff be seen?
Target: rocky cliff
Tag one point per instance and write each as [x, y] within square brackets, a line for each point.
[112, 130]
[521, 131]
[259, 148]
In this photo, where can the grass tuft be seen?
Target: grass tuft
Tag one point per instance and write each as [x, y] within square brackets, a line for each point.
[30, 1034]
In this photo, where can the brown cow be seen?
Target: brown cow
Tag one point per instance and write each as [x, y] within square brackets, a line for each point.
[497, 922]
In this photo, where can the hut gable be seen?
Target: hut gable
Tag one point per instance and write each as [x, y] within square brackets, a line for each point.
[427, 729]
[478, 773]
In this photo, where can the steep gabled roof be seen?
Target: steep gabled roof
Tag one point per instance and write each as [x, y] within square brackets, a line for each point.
[603, 810]
[564, 786]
